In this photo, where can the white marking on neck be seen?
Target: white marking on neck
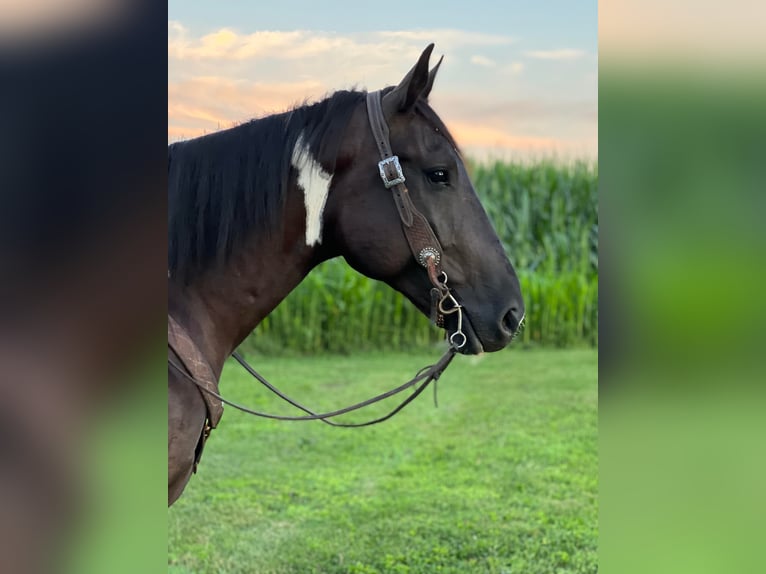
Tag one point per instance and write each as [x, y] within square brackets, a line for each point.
[315, 182]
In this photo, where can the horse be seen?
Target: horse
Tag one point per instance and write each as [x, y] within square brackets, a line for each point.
[252, 209]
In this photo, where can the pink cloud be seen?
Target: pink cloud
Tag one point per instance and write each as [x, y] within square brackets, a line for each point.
[213, 83]
[205, 104]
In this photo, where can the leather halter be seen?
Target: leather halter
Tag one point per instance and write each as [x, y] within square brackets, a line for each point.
[427, 251]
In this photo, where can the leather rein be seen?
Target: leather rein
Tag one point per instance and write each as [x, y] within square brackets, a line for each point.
[427, 251]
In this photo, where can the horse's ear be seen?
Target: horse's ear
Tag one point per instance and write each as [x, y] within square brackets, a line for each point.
[431, 78]
[403, 97]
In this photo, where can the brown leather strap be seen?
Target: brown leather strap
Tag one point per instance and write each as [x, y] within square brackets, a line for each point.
[420, 236]
[378, 124]
[195, 364]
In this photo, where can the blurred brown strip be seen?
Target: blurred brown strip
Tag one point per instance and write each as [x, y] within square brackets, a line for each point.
[82, 256]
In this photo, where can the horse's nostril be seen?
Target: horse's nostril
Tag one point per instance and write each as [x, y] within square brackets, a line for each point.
[520, 326]
[513, 321]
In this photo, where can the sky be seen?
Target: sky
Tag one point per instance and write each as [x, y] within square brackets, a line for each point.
[519, 79]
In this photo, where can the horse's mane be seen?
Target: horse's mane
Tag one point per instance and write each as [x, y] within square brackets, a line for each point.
[224, 186]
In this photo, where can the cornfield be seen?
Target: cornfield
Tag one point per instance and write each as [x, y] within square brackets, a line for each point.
[546, 215]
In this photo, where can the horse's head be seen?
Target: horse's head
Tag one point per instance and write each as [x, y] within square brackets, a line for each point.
[368, 230]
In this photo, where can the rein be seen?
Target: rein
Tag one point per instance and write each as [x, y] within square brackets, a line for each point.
[427, 251]
[425, 376]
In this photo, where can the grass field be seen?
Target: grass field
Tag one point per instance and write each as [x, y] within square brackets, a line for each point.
[502, 477]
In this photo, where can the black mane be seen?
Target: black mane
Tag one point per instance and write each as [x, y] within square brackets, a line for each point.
[224, 186]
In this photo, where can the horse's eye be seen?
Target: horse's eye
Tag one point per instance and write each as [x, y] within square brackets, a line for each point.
[438, 176]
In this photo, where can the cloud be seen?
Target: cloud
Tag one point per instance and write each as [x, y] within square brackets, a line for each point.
[517, 113]
[228, 44]
[449, 37]
[472, 135]
[562, 54]
[514, 68]
[208, 103]
[482, 61]
[482, 142]
[224, 77]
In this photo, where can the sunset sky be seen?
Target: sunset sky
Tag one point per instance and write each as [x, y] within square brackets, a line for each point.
[519, 79]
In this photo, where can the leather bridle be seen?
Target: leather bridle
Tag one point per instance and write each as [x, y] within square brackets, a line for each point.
[427, 251]
[420, 236]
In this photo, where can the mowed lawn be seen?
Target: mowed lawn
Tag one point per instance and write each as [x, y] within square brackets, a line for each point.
[501, 477]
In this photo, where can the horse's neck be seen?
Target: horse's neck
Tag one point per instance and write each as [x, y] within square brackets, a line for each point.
[223, 306]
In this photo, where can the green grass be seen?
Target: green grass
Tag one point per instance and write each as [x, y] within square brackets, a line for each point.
[502, 477]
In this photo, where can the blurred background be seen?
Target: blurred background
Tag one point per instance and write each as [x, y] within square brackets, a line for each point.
[680, 447]
[682, 148]
[82, 286]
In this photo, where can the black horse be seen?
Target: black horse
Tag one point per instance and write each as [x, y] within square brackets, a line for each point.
[254, 208]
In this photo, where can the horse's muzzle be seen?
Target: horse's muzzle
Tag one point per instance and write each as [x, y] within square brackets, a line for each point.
[489, 335]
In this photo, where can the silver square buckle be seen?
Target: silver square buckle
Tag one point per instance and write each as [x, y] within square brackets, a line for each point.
[389, 183]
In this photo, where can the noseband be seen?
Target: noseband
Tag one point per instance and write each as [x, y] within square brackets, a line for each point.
[427, 252]
[420, 236]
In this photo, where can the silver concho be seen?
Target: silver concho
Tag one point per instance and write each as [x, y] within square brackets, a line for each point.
[426, 253]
